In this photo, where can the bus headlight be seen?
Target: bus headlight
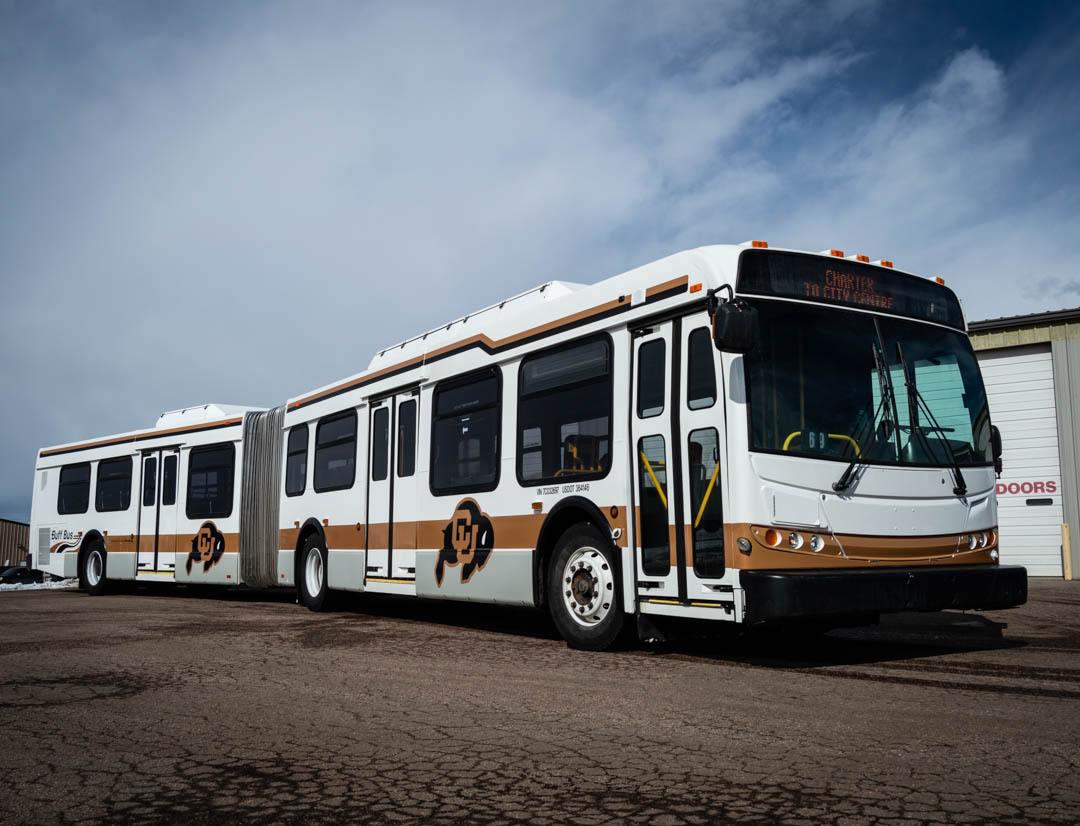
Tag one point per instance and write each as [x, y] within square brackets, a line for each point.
[994, 555]
[973, 541]
[795, 540]
[982, 539]
[816, 543]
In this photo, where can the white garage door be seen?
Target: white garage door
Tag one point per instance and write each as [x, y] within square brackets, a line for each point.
[1020, 387]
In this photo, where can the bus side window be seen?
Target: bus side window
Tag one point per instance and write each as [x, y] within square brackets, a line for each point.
[705, 508]
[296, 461]
[465, 433]
[335, 452]
[650, 392]
[113, 485]
[700, 372]
[652, 490]
[74, 493]
[210, 481]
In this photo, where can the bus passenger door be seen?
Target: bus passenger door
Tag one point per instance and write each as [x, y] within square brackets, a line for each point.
[404, 511]
[156, 557]
[701, 418]
[657, 543]
[379, 487]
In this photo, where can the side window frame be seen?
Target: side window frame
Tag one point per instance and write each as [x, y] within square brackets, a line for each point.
[697, 331]
[407, 430]
[195, 451]
[60, 488]
[290, 453]
[519, 430]
[112, 460]
[329, 418]
[449, 384]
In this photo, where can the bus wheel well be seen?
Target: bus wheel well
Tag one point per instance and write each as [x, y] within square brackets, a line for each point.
[311, 527]
[89, 540]
[564, 516]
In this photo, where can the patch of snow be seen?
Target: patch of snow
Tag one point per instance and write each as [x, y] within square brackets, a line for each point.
[60, 584]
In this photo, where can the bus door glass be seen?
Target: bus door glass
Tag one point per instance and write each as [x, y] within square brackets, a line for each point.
[701, 422]
[652, 440]
[379, 489]
[157, 513]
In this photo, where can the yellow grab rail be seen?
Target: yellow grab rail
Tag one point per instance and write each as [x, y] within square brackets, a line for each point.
[705, 498]
[793, 435]
[655, 481]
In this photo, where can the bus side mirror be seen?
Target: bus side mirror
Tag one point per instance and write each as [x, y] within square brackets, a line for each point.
[995, 445]
[734, 325]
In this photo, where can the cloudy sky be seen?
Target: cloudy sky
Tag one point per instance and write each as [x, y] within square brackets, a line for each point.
[236, 202]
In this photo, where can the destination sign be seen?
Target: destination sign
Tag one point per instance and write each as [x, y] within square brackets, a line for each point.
[847, 283]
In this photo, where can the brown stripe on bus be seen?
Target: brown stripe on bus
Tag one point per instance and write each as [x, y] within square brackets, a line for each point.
[141, 436]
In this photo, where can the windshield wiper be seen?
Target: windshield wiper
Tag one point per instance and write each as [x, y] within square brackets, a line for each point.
[887, 403]
[915, 399]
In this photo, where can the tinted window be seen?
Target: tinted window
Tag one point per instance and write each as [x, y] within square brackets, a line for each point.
[74, 494]
[149, 480]
[113, 484]
[168, 480]
[465, 435]
[650, 379]
[380, 443]
[296, 461]
[701, 375]
[564, 413]
[406, 443]
[705, 509]
[335, 452]
[210, 481]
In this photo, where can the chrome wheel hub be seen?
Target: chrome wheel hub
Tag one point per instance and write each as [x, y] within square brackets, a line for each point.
[588, 586]
[313, 571]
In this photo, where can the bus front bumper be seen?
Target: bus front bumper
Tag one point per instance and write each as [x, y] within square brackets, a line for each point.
[784, 595]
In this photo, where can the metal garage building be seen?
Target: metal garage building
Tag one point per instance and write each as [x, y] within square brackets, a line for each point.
[1031, 365]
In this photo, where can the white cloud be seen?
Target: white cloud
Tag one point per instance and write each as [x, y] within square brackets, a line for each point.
[241, 207]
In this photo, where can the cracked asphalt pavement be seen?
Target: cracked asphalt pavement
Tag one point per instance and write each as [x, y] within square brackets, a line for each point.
[172, 706]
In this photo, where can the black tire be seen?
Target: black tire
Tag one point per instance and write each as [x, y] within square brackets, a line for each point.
[92, 568]
[314, 596]
[593, 551]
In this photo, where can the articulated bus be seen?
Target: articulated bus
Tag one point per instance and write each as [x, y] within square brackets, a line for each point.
[736, 434]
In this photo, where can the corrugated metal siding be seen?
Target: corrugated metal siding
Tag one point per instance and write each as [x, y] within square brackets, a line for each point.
[1020, 336]
[14, 542]
[1066, 387]
[1020, 389]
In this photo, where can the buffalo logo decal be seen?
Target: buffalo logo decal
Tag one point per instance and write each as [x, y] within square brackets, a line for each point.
[206, 547]
[467, 541]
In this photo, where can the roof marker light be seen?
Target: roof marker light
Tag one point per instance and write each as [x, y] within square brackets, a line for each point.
[837, 253]
[939, 280]
[863, 258]
[883, 263]
[760, 245]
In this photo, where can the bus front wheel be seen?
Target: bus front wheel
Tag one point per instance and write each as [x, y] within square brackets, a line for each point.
[583, 589]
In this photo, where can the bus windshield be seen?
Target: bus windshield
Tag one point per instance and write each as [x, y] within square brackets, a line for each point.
[830, 383]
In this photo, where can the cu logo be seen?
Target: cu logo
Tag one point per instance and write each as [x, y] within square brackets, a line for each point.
[468, 539]
[207, 546]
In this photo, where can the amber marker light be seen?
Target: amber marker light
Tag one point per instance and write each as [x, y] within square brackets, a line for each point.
[695, 288]
[773, 537]
[836, 253]
[863, 258]
[761, 245]
[939, 280]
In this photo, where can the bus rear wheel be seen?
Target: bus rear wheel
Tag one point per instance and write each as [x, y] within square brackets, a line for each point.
[313, 584]
[583, 590]
[92, 570]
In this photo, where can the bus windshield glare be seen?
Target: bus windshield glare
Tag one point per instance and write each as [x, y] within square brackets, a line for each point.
[816, 377]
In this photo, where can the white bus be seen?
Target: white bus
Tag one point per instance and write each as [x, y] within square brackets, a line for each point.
[734, 434]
